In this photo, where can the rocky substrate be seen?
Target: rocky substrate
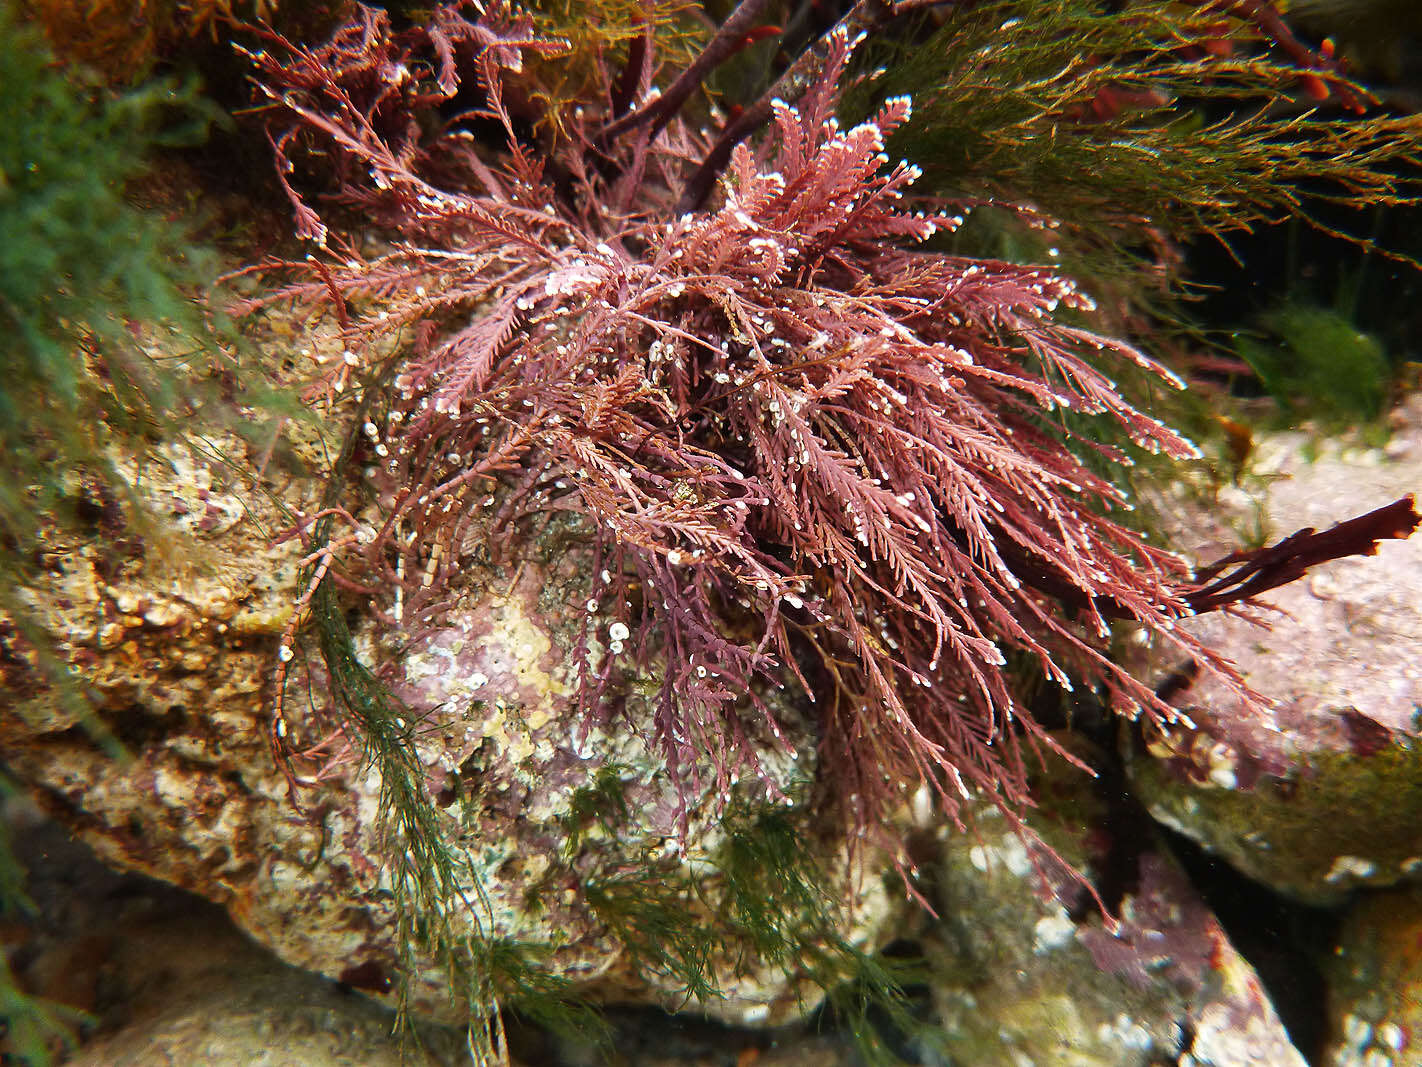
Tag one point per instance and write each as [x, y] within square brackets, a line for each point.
[173, 616]
[1315, 798]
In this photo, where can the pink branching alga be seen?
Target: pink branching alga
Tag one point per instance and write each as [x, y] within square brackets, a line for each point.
[808, 449]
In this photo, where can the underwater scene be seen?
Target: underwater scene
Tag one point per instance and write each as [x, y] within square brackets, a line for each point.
[696, 533]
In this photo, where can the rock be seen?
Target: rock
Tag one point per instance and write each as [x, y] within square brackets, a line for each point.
[1020, 977]
[1375, 985]
[1315, 794]
[207, 995]
[175, 641]
[178, 983]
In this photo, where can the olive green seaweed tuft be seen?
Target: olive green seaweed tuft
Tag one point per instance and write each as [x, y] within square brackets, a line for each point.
[1135, 122]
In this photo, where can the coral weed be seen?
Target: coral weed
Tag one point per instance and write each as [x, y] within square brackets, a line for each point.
[782, 416]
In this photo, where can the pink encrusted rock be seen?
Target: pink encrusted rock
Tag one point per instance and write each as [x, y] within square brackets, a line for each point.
[1315, 793]
[1027, 969]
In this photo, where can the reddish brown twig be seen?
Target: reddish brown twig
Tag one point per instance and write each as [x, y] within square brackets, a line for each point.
[1254, 572]
[865, 16]
[728, 40]
[1260, 570]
